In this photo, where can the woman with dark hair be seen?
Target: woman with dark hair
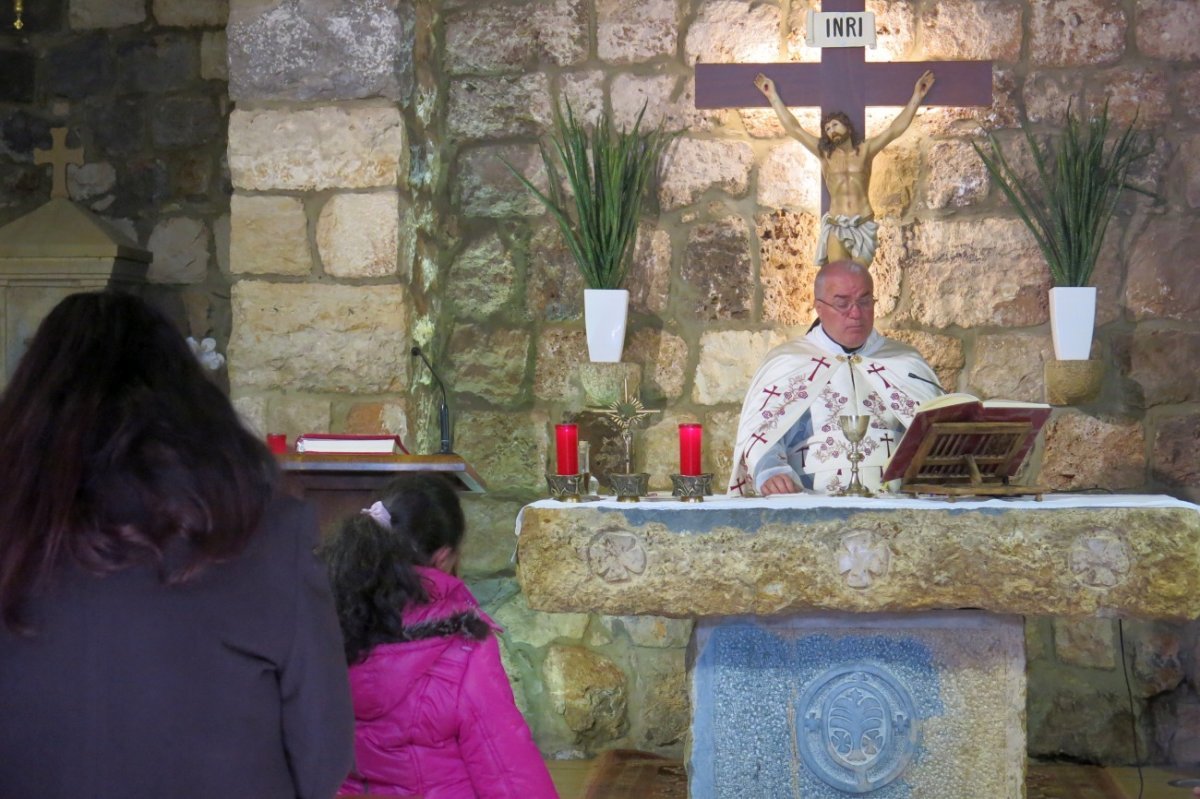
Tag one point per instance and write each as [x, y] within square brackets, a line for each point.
[434, 713]
[165, 628]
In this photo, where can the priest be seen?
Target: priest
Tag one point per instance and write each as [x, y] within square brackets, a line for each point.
[788, 436]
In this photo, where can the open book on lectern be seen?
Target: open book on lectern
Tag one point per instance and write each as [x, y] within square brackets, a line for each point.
[961, 438]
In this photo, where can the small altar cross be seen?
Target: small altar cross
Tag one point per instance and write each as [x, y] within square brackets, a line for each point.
[58, 156]
[844, 81]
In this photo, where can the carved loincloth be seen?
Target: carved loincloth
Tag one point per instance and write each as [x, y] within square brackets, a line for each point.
[856, 234]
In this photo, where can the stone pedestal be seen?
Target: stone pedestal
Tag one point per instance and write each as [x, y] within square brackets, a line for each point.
[829, 705]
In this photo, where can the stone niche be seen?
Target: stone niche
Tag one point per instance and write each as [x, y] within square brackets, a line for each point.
[57, 250]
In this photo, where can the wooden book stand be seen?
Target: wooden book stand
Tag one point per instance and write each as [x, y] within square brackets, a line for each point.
[970, 458]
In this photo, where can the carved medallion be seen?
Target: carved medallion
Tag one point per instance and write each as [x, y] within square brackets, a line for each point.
[1100, 559]
[615, 557]
[862, 558]
[858, 729]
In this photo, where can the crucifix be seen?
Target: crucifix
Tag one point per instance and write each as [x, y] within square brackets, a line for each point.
[843, 81]
[58, 156]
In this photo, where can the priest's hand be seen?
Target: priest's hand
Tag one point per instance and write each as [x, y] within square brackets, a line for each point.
[780, 484]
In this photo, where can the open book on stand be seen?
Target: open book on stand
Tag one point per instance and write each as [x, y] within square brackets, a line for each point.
[350, 444]
[958, 444]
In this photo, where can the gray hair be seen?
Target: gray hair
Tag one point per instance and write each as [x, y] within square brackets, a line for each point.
[847, 267]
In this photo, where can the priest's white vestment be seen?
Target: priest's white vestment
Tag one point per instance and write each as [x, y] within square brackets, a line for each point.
[789, 421]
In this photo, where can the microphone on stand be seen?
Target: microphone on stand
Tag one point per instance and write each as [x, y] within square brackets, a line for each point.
[443, 409]
[910, 374]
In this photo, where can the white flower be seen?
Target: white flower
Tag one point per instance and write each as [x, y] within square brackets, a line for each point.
[206, 352]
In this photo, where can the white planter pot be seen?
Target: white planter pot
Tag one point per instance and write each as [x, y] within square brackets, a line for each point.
[1072, 319]
[604, 315]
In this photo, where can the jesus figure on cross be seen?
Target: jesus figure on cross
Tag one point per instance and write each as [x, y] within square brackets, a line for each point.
[848, 229]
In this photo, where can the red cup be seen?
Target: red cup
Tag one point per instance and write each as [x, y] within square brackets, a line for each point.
[277, 443]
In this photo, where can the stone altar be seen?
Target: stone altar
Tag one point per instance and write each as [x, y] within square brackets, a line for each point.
[793, 695]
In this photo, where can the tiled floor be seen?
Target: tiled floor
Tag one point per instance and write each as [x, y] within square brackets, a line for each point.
[570, 776]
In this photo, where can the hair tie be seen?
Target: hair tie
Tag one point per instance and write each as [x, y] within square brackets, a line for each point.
[380, 514]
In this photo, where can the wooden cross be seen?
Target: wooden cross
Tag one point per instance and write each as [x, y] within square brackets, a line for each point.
[844, 81]
[58, 156]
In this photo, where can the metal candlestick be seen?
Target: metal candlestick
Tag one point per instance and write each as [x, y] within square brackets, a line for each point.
[565, 487]
[854, 428]
[692, 487]
[629, 487]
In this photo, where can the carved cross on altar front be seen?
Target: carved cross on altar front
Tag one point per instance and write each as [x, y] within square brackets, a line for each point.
[844, 81]
[58, 156]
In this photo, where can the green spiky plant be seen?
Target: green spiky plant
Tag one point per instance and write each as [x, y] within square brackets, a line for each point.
[1068, 203]
[609, 172]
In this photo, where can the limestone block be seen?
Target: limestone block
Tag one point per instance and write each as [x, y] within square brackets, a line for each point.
[1164, 29]
[1187, 167]
[358, 235]
[89, 181]
[1157, 666]
[307, 50]
[790, 177]
[372, 418]
[972, 30]
[560, 354]
[268, 235]
[674, 110]
[214, 56]
[656, 632]
[319, 337]
[588, 690]
[1048, 93]
[535, 628]
[660, 707]
[956, 177]
[706, 559]
[585, 92]
[1109, 276]
[185, 122]
[1133, 94]
[761, 123]
[1076, 713]
[631, 31]
[1183, 736]
[732, 31]
[1189, 94]
[694, 166]
[509, 448]
[664, 359]
[484, 185]
[1036, 634]
[787, 251]
[555, 285]
[296, 414]
[1176, 458]
[720, 435]
[1161, 267]
[491, 38]
[772, 697]
[728, 361]
[943, 353]
[483, 278]
[657, 451]
[1156, 357]
[717, 270]
[489, 364]
[496, 107]
[649, 281]
[1072, 33]
[252, 410]
[310, 149]
[976, 273]
[893, 177]
[221, 235]
[1004, 112]
[90, 14]
[490, 544]
[191, 13]
[1084, 452]
[182, 251]
[1009, 367]
[606, 383]
[1084, 642]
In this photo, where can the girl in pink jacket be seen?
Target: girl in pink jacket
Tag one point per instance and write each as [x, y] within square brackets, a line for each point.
[434, 713]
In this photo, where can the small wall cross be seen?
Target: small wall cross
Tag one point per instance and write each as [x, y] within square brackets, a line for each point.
[58, 156]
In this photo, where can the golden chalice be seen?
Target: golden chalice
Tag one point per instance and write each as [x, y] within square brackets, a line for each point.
[854, 428]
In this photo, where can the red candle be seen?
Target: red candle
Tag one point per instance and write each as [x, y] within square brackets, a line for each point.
[690, 436]
[566, 448]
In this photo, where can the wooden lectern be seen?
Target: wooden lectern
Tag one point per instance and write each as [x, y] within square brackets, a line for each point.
[971, 458]
[341, 484]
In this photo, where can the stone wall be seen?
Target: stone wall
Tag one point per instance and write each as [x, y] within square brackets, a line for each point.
[371, 210]
[141, 85]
